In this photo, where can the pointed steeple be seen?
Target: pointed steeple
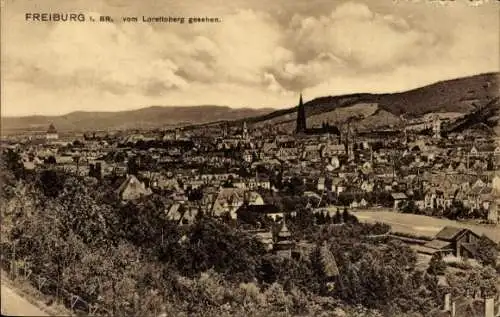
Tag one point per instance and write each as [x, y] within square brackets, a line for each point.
[284, 232]
[301, 116]
[245, 130]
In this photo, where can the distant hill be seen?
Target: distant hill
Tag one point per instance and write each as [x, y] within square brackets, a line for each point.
[484, 119]
[145, 118]
[460, 96]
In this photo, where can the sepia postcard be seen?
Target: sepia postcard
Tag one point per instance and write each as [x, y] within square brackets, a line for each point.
[250, 158]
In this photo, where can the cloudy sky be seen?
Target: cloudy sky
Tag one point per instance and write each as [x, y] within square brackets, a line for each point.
[262, 54]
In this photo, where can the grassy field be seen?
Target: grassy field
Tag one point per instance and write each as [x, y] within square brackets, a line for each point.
[423, 225]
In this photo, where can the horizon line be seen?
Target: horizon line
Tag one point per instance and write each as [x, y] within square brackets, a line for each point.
[273, 108]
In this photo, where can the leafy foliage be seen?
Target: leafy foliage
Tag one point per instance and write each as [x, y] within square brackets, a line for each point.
[329, 264]
[211, 244]
[131, 260]
[487, 251]
[473, 280]
[437, 266]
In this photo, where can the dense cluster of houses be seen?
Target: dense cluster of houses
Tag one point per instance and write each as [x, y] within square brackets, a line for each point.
[228, 170]
[359, 172]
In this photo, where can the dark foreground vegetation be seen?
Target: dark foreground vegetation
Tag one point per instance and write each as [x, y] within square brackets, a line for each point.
[128, 260]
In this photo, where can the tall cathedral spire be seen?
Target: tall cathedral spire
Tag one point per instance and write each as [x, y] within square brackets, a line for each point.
[301, 117]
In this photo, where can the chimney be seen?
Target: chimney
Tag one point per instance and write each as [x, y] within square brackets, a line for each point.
[489, 306]
[447, 302]
[453, 309]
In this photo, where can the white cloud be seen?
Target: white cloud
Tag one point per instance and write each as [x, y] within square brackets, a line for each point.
[251, 58]
[246, 42]
[365, 39]
[352, 10]
[100, 55]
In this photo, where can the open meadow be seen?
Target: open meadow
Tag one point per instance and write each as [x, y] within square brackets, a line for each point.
[423, 225]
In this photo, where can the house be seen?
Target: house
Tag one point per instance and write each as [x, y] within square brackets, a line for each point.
[240, 184]
[331, 150]
[460, 242]
[159, 181]
[248, 156]
[486, 148]
[366, 168]
[354, 204]
[398, 199]
[367, 186]
[268, 150]
[479, 197]
[180, 214]
[474, 151]
[437, 198]
[230, 199]
[461, 168]
[286, 154]
[263, 182]
[321, 184]
[496, 185]
[311, 153]
[493, 215]
[496, 151]
[132, 189]
[336, 186]
[335, 162]
[330, 211]
[435, 246]
[257, 211]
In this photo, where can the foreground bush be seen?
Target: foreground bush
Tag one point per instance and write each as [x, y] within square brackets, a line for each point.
[130, 261]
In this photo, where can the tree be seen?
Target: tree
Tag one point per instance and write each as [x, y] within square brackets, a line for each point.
[51, 160]
[456, 210]
[436, 265]
[487, 251]
[216, 245]
[338, 217]
[348, 218]
[11, 161]
[95, 171]
[51, 182]
[482, 279]
[195, 194]
[8, 184]
[78, 144]
[409, 207]
[132, 166]
[295, 186]
[76, 159]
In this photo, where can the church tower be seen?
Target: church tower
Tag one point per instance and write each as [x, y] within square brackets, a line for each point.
[301, 117]
[52, 133]
[436, 127]
[245, 130]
